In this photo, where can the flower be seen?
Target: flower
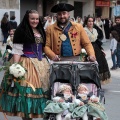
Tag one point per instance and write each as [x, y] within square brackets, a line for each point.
[17, 70]
[83, 51]
[82, 55]
[74, 35]
[9, 51]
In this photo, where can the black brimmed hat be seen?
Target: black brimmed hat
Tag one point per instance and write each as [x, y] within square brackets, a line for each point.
[62, 7]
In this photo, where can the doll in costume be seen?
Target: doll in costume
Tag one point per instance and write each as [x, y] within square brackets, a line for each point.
[64, 98]
[94, 107]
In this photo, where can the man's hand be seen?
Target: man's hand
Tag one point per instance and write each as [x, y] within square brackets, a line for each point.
[56, 58]
[92, 58]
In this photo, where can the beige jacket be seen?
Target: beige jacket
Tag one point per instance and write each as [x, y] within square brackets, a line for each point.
[78, 39]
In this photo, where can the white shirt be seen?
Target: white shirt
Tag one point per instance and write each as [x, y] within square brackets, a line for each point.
[113, 44]
[92, 35]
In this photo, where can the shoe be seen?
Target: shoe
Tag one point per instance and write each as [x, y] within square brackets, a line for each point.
[113, 68]
[117, 66]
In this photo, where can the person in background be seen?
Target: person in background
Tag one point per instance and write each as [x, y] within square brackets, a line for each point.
[64, 38]
[4, 28]
[113, 48]
[48, 22]
[107, 28]
[12, 23]
[28, 42]
[72, 19]
[44, 21]
[54, 18]
[92, 33]
[100, 24]
[117, 29]
[8, 52]
[79, 20]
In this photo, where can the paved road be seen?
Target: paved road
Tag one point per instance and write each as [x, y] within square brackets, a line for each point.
[112, 91]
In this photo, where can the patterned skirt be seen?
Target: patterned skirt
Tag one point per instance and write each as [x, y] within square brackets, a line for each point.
[24, 102]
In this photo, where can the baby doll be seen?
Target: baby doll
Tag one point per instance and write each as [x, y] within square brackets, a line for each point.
[86, 98]
[65, 95]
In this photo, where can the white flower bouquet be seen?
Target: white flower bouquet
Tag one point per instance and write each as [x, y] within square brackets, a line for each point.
[83, 55]
[17, 70]
[14, 74]
[83, 51]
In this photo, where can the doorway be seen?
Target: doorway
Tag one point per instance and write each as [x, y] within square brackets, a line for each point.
[78, 9]
[98, 11]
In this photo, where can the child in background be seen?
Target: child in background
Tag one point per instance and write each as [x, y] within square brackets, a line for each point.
[113, 49]
[8, 52]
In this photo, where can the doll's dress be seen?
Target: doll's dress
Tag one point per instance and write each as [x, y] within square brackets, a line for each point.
[94, 109]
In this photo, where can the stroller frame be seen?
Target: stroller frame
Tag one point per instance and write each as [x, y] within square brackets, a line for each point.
[74, 73]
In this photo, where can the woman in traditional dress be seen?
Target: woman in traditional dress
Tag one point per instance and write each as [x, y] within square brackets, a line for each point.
[100, 24]
[28, 42]
[92, 33]
[79, 20]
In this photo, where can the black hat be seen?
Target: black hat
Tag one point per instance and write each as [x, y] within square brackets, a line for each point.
[62, 7]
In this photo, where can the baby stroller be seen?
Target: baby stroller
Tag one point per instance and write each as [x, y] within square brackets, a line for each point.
[74, 73]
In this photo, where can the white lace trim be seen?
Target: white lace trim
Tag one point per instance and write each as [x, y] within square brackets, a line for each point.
[17, 49]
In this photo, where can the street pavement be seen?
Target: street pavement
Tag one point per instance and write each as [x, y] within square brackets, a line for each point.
[112, 90]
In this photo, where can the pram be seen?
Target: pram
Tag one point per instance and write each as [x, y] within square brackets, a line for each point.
[74, 73]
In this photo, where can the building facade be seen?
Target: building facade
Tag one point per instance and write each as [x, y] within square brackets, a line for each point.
[12, 7]
[82, 7]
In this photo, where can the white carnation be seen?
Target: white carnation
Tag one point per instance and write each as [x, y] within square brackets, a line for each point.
[83, 51]
[17, 70]
[9, 51]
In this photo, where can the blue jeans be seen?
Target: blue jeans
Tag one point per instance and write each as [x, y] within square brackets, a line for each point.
[118, 54]
[114, 55]
[5, 35]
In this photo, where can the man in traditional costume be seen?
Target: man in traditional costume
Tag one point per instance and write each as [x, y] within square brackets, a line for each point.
[65, 38]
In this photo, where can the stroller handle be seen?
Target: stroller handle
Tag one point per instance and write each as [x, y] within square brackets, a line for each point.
[72, 62]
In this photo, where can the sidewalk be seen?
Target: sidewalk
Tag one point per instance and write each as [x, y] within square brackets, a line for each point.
[2, 48]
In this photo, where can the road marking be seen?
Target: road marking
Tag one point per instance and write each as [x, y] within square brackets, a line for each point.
[115, 91]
